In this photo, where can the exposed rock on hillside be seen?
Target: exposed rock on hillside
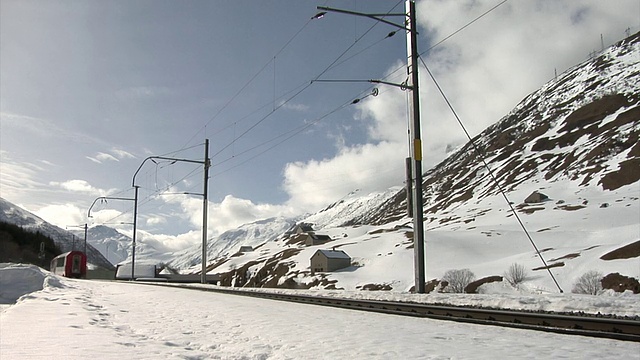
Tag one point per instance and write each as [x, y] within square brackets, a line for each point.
[583, 127]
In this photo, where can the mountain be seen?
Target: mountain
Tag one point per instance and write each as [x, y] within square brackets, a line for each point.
[65, 240]
[228, 243]
[573, 144]
[580, 129]
[112, 244]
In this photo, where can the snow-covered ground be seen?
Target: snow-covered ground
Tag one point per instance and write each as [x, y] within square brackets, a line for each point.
[78, 319]
[481, 236]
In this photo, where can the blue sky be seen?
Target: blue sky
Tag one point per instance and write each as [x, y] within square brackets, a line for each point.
[89, 89]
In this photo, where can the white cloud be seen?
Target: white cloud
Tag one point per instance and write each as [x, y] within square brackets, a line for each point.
[80, 186]
[314, 184]
[75, 185]
[62, 215]
[122, 154]
[233, 212]
[116, 155]
[228, 214]
[181, 241]
[94, 160]
[104, 157]
[155, 220]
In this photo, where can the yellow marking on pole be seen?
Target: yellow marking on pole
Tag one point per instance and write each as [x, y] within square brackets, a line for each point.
[417, 149]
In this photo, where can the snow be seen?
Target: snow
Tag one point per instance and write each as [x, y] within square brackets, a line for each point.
[80, 319]
[577, 226]
[488, 244]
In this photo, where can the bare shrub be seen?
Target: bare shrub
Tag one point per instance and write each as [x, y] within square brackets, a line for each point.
[457, 280]
[516, 274]
[588, 283]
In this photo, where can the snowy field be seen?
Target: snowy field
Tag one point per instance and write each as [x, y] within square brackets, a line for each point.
[55, 317]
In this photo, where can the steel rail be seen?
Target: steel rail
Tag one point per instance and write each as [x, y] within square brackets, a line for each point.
[583, 324]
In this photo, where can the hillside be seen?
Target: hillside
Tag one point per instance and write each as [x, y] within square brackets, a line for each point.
[21, 246]
[65, 240]
[575, 140]
[579, 129]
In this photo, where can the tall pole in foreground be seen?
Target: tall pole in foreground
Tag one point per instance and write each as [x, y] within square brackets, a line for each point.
[418, 216]
[205, 206]
[410, 26]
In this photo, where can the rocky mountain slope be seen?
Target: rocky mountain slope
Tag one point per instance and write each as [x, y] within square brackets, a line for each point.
[575, 140]
[581, 128]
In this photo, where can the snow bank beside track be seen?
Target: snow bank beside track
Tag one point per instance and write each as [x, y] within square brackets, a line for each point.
[17, 280]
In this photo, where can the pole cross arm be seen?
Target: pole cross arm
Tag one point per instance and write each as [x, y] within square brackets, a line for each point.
[376, 17]
[403, 86]
[203, 162]
[106, 198]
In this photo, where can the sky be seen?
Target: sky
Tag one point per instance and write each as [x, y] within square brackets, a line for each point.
[111, 320]
[89, 90]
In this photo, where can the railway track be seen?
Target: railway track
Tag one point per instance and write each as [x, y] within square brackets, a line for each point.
[573, 324]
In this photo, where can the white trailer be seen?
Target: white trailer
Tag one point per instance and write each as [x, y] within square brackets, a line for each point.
[123, 271]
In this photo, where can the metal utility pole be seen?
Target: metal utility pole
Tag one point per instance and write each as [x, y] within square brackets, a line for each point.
[418, 222]
[207, 163]
[205, 207]
[135, 229]
[414, 128]
[85, 239]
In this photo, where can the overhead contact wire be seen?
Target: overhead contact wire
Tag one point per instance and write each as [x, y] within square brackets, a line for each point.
[483, 156]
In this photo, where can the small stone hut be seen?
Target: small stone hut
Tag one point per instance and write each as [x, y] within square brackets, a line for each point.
[303, 228]
[245, 248]
[536, 197]
[316, 239]
[329, 260]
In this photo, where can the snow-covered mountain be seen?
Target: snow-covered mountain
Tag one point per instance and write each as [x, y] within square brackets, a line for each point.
[117, 247]
[575, 141]
[228, 243]
[579, 130]
[66, 240]
[112, 244]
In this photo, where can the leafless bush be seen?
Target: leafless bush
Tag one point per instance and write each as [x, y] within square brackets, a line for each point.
[458, 280]
[588, 283]
[516, 274]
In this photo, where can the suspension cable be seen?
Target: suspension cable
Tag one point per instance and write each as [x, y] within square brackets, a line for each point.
[483, 156]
